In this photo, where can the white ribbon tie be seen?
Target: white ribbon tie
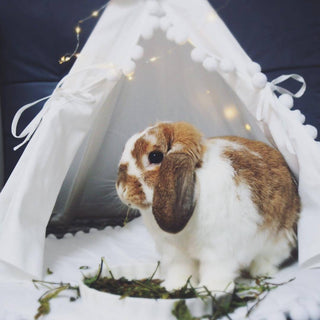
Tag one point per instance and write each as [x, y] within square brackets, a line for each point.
[80, 94]
[285, 77]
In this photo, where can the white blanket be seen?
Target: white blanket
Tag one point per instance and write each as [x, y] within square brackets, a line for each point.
[132, 245]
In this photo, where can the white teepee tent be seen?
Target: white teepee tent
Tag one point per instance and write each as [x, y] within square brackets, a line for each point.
[219, 88]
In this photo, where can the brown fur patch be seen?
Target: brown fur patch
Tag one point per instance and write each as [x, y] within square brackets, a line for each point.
[164, 134]
[150, 177]
[140, 148]
[135, 192]
[184, 135]
[122, 174]
[273, 189]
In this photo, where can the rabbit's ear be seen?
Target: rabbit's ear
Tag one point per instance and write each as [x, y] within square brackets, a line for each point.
[173, 198]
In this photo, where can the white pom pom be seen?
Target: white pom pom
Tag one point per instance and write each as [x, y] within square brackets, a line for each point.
[137, 52]
[254, 68]
[286, 100]
[147, 33]
[170, 34]
[51, 236]
[177, 35]
[112, 74]
[79, 233]
[259, 80]
[312, 131]
[226, 65]
[301, 118]
[198, 55]
[277, 316]
[68, 235]
[154, 7]
[180, 36]
[210, 64]
[297, 312]
[153, 22]
[129, 67]
[312, 307]
[165, 23]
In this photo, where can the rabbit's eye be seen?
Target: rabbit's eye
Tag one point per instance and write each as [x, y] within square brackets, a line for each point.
[155, 157]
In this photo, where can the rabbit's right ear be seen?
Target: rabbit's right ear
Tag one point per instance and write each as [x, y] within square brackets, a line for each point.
[173, 198]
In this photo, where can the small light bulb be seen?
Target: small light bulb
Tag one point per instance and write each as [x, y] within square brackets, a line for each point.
[153, 59]
[230, 112]
[208, 91]
[211, 17]
[77, 29]
[247, 127]
[130, 76]
[95, 13]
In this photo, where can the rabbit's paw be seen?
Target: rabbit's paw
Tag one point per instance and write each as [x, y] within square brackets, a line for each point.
[262, 267]
[177, 281]
[172, 284]
[218, 287]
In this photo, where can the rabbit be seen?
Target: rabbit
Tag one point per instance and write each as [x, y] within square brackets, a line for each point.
[214, 206]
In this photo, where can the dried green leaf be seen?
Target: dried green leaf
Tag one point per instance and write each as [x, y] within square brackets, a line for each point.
[181, 311]
[44, 301]
[49, 271]
[155, 271]
[90, 280]
[84, 268]
[252, 290]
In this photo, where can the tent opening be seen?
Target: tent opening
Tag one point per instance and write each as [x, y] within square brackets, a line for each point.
[167, 85]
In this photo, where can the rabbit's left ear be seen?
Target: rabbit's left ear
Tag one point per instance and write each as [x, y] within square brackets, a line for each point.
[173, 199]
[174, 192]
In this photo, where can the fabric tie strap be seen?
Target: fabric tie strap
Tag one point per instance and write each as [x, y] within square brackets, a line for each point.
[273, 85]
[80, 94]
[285, 77]
[31, 127]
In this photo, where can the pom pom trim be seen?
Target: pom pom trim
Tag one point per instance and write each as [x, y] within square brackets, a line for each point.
[129, 68]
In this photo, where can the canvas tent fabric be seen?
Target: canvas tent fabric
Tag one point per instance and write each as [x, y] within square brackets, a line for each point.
[27, 75]
[28, 197]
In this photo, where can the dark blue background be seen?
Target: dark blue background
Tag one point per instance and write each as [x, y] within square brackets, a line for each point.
[283, 36]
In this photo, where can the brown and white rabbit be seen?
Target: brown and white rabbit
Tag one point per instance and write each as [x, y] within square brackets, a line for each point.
[213, 206]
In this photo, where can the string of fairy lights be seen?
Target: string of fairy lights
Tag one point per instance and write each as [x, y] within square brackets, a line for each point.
[230, 111]
[94, 14]
[259, 80]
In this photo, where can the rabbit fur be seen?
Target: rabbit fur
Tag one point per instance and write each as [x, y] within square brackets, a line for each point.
[213, 206]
